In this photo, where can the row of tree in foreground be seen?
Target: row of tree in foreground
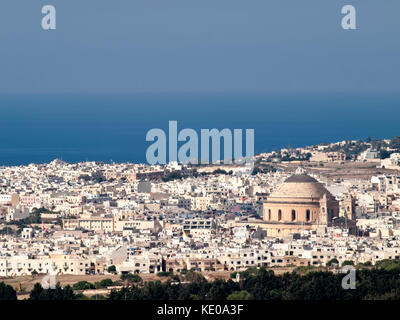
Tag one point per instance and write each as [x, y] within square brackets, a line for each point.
[379, 282]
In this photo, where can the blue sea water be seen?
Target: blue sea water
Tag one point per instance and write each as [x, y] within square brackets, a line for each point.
[38, 129]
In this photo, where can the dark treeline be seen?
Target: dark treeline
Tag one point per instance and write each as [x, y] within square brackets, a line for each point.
[7, 292]
[379, 282]
[59, 293]
[264, 285]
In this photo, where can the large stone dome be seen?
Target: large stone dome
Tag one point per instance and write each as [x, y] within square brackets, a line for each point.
[299, 203]
[300, 186]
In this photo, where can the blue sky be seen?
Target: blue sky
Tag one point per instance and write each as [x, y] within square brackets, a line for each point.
[128, 46]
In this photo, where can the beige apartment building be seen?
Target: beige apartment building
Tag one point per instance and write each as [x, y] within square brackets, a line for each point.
[59, 264]
[106, 225]
[153, 225]
[203, 264]
[317, 156]
[109, 225]
[143, 263]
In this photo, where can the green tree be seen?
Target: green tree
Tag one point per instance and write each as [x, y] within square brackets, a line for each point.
[104, 283]
[388, 265]
[36, 292]
[372, 283]
[112, 269]
[193, 276]
[383, 154]
[395, 143]
[347, 263]
[58, 293]
[239, 295]
[83, 285]
[172, 176]
[164, 274]
[332, 261]
[131, 278]
[7, 292]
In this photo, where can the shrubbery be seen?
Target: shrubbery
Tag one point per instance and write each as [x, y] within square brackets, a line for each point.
[131, 278]
[164, 274]
[7, 292]
[380, 282]
[59, 293]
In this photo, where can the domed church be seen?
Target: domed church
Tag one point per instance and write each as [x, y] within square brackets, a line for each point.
[299, 203]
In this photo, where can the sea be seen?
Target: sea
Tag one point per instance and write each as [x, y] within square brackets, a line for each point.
[113, 128]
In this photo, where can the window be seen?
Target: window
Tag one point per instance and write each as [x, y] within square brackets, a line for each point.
[279, 215]
[293, 215]
[269, 214]
[308, 215]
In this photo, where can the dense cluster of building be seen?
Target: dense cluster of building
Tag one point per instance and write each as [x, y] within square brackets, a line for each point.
[96, 215]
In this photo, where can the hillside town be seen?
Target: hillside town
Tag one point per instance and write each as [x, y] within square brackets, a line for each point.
[299, 207]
